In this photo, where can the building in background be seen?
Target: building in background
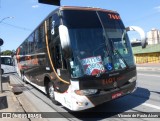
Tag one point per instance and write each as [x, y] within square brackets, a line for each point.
[150, 54]
[153, 36]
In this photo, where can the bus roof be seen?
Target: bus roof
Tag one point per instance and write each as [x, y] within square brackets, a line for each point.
[85, 8]
[70, 8]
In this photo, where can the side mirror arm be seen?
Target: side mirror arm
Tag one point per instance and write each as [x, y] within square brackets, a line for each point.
[141, 32]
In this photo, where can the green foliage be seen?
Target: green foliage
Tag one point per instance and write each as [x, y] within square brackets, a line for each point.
[6, 52]
[149, 49]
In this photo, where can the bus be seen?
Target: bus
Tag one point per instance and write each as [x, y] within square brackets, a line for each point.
[79, 56]
[7, 64]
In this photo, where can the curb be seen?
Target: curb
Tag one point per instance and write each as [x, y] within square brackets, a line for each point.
[11, 104]
[148, 68]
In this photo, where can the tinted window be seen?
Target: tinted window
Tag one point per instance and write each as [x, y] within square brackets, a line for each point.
[89, 19]
[85, 19]
[6, 61]
[99, 42]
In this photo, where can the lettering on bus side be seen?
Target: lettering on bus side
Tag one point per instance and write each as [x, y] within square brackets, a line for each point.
[112, 79]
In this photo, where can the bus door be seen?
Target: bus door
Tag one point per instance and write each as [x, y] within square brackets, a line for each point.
[59, 61]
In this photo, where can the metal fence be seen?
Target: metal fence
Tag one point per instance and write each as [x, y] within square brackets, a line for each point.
[147, 58]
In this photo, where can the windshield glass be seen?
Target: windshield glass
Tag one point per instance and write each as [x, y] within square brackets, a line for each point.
[99, 42]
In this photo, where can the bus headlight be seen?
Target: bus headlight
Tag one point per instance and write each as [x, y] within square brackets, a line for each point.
[133, 79]
[86, 92]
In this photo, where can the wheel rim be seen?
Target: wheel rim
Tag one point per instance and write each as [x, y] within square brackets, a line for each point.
[22, 77]
[51, 91]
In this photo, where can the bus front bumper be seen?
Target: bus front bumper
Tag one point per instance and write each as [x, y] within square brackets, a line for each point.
[76, 102]
[105, 96]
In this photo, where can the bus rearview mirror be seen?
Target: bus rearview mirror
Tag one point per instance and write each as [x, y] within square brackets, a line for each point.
[65, 41]
[141, 32]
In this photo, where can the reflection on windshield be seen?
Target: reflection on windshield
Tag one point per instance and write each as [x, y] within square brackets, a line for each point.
[99, 43]
[88, 50]
[93, 57]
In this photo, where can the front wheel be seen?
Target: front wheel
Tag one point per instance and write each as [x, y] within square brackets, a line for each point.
[22, 78]
[51, 93]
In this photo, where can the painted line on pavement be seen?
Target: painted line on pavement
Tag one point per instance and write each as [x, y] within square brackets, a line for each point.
[152, 106]
[149, 75]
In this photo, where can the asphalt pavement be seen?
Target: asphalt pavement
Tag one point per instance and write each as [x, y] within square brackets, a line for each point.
[149, 66]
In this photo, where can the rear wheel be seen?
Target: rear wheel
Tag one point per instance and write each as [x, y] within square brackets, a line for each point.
[50, 91]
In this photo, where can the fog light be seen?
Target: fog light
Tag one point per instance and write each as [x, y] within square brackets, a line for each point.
[86, 92]
[82, 103]
[133, 79]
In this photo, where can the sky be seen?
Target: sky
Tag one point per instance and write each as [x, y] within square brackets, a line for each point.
[25, 16]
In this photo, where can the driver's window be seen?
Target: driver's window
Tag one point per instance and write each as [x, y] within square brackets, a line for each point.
[58, 56]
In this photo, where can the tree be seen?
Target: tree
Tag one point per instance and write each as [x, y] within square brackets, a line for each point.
[6, 52]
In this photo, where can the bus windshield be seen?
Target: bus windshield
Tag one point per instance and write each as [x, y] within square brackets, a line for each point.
[99, 42]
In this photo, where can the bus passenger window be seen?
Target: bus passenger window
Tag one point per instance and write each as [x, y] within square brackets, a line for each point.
[58, 56]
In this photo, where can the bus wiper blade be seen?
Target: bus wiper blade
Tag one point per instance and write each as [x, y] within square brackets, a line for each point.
[122, 59]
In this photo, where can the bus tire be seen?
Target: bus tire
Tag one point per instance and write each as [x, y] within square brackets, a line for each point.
[22, 78]
[50, 91]
[2, 71]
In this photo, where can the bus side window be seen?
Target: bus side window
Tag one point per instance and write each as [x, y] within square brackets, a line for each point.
[59, 57]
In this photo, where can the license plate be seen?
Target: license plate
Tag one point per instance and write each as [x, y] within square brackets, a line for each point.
[116, 95]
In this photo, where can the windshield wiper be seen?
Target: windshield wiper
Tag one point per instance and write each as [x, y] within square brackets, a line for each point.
[123, 60]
